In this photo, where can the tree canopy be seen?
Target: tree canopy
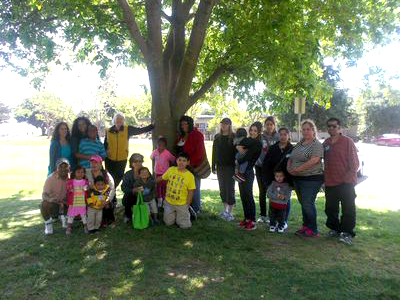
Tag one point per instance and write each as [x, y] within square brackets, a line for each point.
[259, 50]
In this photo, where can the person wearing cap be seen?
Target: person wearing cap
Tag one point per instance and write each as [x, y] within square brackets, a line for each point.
[54, 196]
[128, 182]
[96, 169]
[191, 141]
[116, 144]
[223, 164]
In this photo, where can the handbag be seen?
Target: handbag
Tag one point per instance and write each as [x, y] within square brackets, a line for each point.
[203, 170]
[140, 214]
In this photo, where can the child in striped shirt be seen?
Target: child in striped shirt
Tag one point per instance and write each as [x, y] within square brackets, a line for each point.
[90, 146]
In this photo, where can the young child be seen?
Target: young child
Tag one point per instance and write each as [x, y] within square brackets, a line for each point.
[90, 146]
[77, 188]
[179, 195]
[162, 160]
[241, 142]
[145, 184]
[279, 194]
[97, 200]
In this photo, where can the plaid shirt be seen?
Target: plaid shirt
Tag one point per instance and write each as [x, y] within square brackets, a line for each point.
[341, 161]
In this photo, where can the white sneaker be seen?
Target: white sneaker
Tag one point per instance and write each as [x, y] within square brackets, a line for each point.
[63, 221]
[272, 228]
[285, 226]
[230, 217]
[262, 219]
[281, 229]
[48, 227]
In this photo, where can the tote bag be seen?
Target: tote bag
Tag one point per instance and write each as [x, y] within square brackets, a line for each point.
[203, 170]
[140, 214]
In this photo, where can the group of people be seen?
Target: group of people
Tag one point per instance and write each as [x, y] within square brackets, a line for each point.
[174, 186]
[280, 167]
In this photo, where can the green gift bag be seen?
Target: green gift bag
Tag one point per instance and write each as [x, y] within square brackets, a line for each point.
[140, 215]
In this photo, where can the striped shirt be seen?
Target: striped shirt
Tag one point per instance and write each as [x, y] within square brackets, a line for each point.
[89, 147]
[302, 153]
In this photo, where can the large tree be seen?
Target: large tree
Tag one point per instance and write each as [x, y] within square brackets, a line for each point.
[190, 46]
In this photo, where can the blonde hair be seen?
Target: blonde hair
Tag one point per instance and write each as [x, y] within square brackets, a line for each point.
[311, 124]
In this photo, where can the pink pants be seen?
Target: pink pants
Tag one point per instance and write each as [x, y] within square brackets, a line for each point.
[161, 188]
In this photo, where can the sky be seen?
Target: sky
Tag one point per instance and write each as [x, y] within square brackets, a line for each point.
[79, 86]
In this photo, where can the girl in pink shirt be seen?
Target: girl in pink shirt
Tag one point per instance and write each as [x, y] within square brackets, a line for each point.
[162, 160]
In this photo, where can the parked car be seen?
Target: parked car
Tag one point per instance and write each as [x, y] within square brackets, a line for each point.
[388, 139]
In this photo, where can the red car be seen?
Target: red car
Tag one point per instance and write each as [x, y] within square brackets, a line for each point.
[388, 139]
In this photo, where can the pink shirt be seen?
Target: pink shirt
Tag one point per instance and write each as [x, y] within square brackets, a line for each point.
[161, 161]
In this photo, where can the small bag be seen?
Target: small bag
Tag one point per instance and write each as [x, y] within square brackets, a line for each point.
[140, 214]
[203, 170]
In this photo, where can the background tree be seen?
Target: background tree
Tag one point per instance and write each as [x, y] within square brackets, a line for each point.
[189, 46]
[44, 111]
[4, 113]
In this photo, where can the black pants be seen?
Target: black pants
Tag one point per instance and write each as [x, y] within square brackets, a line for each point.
[341, 194]
[108, 214]
[226, 184]
[128, 202]
[246, 194]
[277, 216]
[116, 169]
[262, 186]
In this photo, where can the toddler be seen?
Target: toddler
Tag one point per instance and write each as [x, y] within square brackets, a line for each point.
[279, 194]
[77, 188]
[162, 160]
[145, 184]
[97, 200]
[240, 142]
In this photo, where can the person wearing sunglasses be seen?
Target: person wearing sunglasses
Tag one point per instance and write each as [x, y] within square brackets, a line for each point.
[341, 165]
[127, 186]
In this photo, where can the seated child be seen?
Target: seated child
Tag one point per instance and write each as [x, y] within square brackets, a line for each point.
[97, 200]
[77, 188]
[89, 147]
[145, 184]
[179, 195]
[279, 194]
[162, 159]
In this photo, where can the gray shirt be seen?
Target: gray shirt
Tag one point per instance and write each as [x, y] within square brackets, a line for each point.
[302, 153]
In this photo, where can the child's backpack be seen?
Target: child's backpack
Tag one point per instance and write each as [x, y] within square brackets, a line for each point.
[140, 213]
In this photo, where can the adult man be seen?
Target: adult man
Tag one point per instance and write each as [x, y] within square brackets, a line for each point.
[54, 196]
[341, 164]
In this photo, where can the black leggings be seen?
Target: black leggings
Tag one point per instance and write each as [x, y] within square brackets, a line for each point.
[116, 169]
[246, 195]
[262, 186]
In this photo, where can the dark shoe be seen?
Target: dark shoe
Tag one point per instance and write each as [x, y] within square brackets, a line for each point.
[346, 238]
[332, 234]
[193, 214]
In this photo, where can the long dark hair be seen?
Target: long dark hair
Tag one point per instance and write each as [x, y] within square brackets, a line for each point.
[56, 133]
[75, 126]
[188, 120]
[272, 120]
[257, 125]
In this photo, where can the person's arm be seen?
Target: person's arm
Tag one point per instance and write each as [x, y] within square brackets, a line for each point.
[111, 185]
[102, 150]
[352, 162]
[307, 165]
[139, 130]
[253, 151]
[52, 156]
[271, 192]
[214, 155]
[80, 150]
[190, 197]
[127, 183]
[47, 191]
[164, 177]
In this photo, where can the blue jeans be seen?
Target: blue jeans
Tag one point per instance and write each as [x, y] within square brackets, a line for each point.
[246, 195]
[196, 202]
[307, 191]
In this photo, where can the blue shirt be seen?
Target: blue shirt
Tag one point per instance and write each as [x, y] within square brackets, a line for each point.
[89, 147]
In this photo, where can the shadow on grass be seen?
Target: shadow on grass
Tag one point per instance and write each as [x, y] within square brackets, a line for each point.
[212, 260]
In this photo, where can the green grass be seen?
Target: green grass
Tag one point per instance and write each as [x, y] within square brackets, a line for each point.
[212, 260]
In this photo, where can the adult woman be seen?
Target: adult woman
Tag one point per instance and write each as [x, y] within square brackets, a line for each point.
[96, 169]
[277, 157]
[59, 146]
[305, 166]
[223, 163]
[191, 141]
[79, 131]
[250, 155]
[268, 138]
[116, 143]
[129, 199]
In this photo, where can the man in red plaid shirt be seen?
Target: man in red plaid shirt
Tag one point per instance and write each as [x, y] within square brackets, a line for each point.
[341, 165]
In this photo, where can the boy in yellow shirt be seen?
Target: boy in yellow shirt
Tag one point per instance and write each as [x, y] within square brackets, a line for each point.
[97, 200]
[179, 194]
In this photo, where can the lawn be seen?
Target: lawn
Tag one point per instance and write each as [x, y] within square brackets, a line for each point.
[212, 260]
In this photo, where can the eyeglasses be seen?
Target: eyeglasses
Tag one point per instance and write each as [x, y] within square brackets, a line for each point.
[332, 126]
[138, 161]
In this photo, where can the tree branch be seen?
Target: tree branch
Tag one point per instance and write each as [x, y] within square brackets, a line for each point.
[165, 16]
[130, 20]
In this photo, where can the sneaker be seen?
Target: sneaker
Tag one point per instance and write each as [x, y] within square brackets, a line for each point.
[250, 226]
[332, 234]
[193, 214]
[285, 226]
[230, 217]
[48, 229]
[301, 230]
[272, 228]
[224, 215]
[281, 228]
[85, 229]
[126, 219]
[262, 219]
[63, 221]
[243, 223]
[346, 238]
[309, 233]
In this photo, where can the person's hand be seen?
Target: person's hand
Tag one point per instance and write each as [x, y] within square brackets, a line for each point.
[281, 196]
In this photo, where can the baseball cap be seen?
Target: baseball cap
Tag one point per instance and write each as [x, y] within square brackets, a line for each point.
[226, 121]
[61, 161]
[96, 158]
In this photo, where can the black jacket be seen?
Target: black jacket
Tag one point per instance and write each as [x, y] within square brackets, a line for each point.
[224, 151]
[277, 157]
[253, 152]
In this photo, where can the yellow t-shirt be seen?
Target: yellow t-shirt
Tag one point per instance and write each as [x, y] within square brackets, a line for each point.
[179, 183]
